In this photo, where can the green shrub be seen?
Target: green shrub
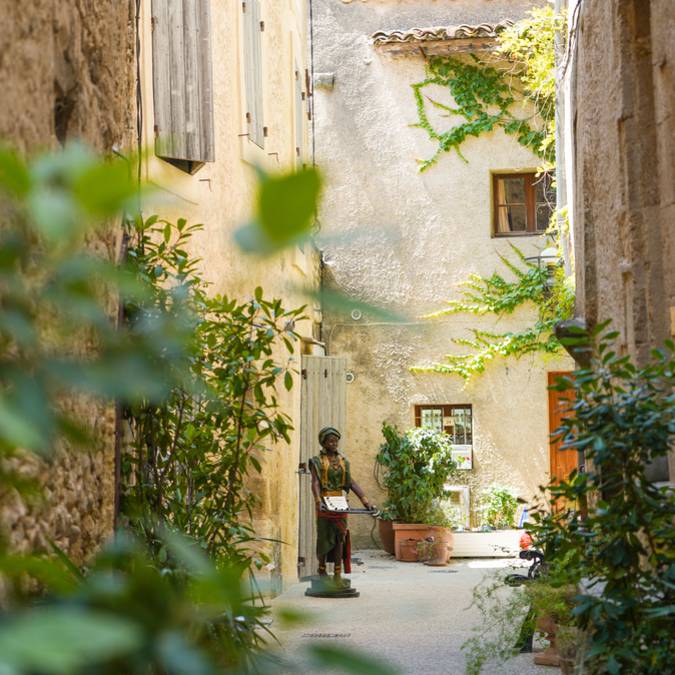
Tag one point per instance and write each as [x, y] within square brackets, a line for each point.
[497, 506]
[417, 467]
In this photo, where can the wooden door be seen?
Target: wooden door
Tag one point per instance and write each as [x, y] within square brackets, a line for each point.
[324, 397]
[563, 462]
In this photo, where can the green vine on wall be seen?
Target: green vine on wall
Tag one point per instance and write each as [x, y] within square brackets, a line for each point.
[547, 289]
[483, 97]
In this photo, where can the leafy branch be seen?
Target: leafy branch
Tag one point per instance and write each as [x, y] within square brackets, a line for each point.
[497, 295]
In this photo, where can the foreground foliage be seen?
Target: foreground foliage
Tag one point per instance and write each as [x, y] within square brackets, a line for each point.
[619, 549]
[167, 607]
[610, 556]
[192, 453]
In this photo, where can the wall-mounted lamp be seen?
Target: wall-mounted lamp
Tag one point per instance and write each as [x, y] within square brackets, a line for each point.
[549, 260]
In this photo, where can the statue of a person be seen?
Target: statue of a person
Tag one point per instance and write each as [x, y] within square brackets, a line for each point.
[330, 477]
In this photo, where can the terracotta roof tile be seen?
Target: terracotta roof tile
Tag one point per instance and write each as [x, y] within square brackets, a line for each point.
[440, 33]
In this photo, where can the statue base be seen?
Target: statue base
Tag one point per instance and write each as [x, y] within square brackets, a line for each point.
[325, 587]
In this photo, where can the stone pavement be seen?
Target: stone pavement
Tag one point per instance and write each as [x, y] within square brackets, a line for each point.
[416, 617]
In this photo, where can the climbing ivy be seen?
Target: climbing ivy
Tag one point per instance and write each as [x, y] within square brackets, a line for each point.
[483, 97]
[484, 94]
[552, 294]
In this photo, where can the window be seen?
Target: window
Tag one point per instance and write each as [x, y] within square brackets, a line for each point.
[454, 420]
[182, 82]
[523, 203]
[253, 71]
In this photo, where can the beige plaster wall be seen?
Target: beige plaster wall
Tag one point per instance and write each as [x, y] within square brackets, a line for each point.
[404, 240]
[220, 195]
[69, 62]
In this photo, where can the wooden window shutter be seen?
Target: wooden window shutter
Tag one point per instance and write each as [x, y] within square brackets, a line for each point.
[299, 119]
[182, 80]
[253, 28]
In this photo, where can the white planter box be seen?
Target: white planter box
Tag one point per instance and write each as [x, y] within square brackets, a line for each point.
[498, 544]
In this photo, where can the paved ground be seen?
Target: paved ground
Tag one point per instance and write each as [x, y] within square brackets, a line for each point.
[415, 616]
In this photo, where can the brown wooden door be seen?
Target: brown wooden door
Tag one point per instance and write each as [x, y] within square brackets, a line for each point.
[563, 462]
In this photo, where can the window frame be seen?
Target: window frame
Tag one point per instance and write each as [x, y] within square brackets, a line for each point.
[531, 180]
[446, 411]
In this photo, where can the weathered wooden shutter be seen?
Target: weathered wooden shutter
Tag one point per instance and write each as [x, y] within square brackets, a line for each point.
[253, 27]
[182, 80]
[324, 398]
[299, 118]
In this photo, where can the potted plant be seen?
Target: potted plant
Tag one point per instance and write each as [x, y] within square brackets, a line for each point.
[552, 607]
[385, 526]
[497, 506]
[417, 464]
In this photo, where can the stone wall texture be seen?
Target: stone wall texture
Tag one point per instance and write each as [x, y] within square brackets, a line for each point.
[67, 71]
[622, 108]
[404, 240]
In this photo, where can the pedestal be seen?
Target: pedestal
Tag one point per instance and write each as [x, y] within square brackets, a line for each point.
[325, 587]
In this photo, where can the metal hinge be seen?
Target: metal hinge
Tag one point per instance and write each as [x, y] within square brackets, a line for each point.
[301, 561]
[262, 26]
[243, 7]
[303, 372]
[325, 373]
[265, 132]
[153, 23]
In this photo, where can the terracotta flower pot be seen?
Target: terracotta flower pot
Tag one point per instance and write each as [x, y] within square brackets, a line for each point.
[386, 530]
[407, 550]
[550, 656]
[439, 554]
[404, 531]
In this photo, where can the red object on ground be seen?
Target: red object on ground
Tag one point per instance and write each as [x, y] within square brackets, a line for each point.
[525, 540]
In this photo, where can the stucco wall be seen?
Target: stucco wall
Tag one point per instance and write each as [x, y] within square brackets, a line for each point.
[406, 239]
[624, 172]
[220, 195]
[66, 71]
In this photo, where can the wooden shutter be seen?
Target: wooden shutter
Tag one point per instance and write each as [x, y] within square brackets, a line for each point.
[253, 28]
[324, 397]
[299, 119]
[182, 80]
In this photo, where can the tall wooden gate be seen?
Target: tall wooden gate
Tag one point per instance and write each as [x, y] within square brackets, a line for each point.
[323, 404]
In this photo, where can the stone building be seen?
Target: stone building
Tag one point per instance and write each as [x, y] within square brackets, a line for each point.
[67, 71]
[223, 87]
[404, 240]
[618, 94]
[225, 90]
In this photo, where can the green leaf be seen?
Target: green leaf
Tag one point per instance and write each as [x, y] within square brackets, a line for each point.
[14, 175]
[285, 209]
[349, 661]
[61, 640]
[288, 381]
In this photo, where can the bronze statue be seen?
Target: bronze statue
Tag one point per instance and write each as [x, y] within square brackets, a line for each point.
[331, 477]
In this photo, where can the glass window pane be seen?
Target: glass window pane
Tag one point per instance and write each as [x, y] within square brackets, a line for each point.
[512, 219]
[432, 419]
[513, 190]
[543, 216]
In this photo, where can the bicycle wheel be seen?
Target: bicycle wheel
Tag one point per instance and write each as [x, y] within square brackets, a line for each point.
[515, 579]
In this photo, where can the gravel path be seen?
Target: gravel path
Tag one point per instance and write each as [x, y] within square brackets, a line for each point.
[414, 616]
